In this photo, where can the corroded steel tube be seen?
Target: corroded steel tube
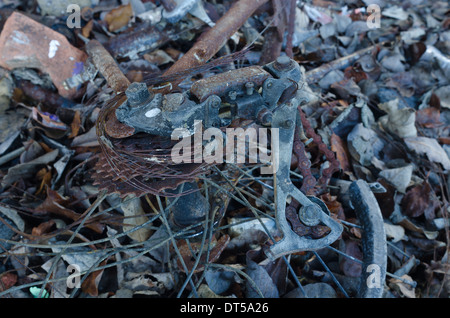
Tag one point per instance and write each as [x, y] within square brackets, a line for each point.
[212, 40]
[107, 66]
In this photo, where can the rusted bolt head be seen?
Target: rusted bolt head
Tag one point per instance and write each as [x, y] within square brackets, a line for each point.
[304, 101]
[249, 88]
[232, 95]
[289, 123]
[215, 103]
[137, 93]
[266, 119]
[172, 101]
[283, 63]
[310, 215]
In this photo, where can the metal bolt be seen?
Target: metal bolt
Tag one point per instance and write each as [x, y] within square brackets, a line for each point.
[215, 104]
[289, 104]
[289, 123]
[309, 215]
[304, 101]
[283, 63]
[266, 120]
[137, 93]
[249, 88]
[232, 95]
[174, 100]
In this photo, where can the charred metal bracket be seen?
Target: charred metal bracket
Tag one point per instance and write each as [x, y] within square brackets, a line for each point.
[159, 114]
[246, 93]
[312, 211]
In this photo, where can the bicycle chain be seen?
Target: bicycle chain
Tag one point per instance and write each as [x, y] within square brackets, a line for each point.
[309, 183]
[323, 149]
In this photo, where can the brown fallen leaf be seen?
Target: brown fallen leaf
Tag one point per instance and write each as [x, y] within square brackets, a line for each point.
[86, 30]
[189, 259]
[349, 267]
[46, 177]
[54, 203]
[7, 280]
[404, 289]
[333, 205]
[90, 284]
[340, 148]
[429, 117]
[75, 125]
[42, 228]
[119, 17]
[418, 201]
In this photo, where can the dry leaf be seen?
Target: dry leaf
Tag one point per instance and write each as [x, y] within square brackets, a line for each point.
[42, 228]
[349, 267]
[88, 139]
[405, 289]
[399, 121]
[214, 254]
[46, 177]
[342, 155]
[54, 203]
[418, 201]
[90, 284]
[429, 147]
[86, 30]
[398, 177]
[119, 17]
[134, 216]
[394, 232]
[429, 117]
[75, 125]
[7, 280]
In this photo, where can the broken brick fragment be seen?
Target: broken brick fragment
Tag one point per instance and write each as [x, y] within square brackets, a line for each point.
[25, 43]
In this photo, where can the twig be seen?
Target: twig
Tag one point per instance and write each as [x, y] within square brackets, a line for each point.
[10, 156]
[313, 76]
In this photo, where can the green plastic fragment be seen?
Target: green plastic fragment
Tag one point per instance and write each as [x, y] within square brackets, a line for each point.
[35, 291]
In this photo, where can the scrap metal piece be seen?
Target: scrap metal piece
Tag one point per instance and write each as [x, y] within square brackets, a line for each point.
[224, 83]
[374, 246]
[311, 212]
[236, 92]
[157, 116]
[142, 38]
[107, 66]
[88, 73]
[188, 209]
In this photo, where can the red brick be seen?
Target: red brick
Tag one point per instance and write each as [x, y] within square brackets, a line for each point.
[27, 43]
